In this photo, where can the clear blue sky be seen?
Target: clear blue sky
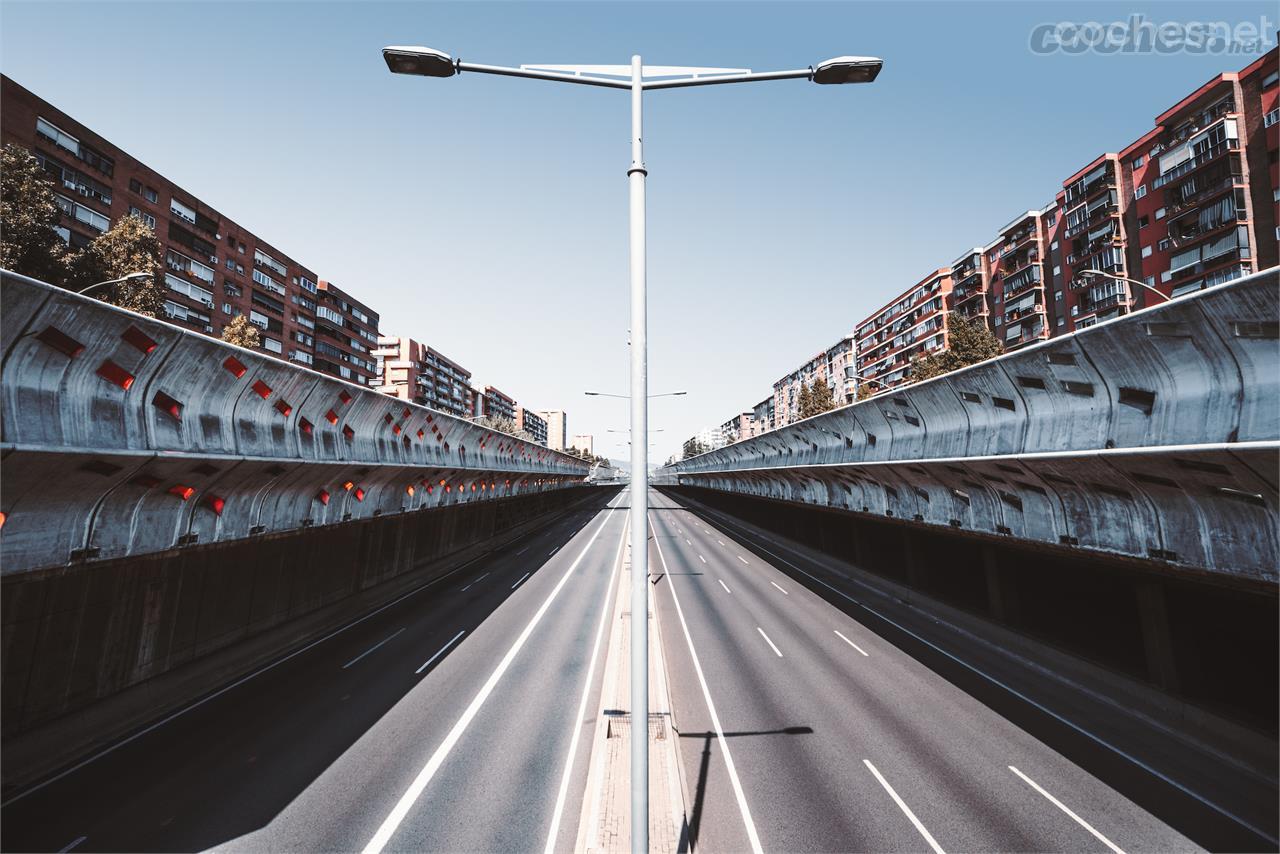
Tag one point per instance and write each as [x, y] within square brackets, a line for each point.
[488, 216]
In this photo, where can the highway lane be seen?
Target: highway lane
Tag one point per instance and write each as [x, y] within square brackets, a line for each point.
[313, 753]
[839, 740]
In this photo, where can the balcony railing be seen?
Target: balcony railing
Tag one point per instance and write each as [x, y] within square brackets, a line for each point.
[1175, 204]
[1188, 166]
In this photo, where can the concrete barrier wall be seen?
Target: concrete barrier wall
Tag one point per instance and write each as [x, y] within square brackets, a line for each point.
[77, 634]
[1154, 435]
[1203, 369]
[123, 435]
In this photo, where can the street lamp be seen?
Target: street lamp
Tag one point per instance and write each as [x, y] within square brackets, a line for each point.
[850, 375]
[118, 281]
[635, 78]
[1158, 293]
[628, 397]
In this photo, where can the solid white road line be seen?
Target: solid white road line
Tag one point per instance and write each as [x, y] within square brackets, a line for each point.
[1060, 805]
[522, 551]
[72, 844]
[372, 648]
[769, 642]
[701, 558]
[906, 809]
[721, 542]
[553, 551]
[243, 679]
[743, 559]
[477, 581]
[521, 581]
[407, 800]
[725, 586]
[441, 652]
[687, 543]
[784, 593]
[850, 643]
[558, 813]
[752, 836]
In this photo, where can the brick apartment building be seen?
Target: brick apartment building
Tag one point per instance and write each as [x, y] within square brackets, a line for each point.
[492, 403]
[913, 324]
[215, 268]
[1021, 312]
[737, 428]
[829, 365]
[346, 332]
[416, 372]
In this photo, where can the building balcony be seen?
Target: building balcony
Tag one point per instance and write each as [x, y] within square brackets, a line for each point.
[1014, 242]
[1186, 167]
[1016, 315]
[1024, 283]
[1178, 200]
[1081, 191]
[1019, 262]
[1092, 218]
[1192, 229]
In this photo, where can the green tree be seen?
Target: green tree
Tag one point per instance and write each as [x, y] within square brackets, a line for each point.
[692, 447]
[864, 391]
[970, 342]
[816, 400]
[242, 333]
[29, 212]
[129, 246]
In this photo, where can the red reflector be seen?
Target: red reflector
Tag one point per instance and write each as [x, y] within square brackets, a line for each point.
[348, 432]
[167, 405]
[263, 390]
[216, 504]
[3, 516]
[344, 396]
[409, 489]
[283, 408]
[405, 412]
[235, 366]
[448, 489]
[473, 487]
[359, 494]
[183, 492]
[396, 430]
[305, 426]
[139, 339]
[60, 341]
[113, 373]
[388, 418]
[323, 496]
[430, 489]
[331, 417]
[443, 482]
[422, 434]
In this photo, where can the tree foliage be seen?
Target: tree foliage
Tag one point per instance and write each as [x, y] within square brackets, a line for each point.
[242, 333]
[816, 400]
[863, 392]
[129, 246]
[29, 213]
[970, 342]
[504, 425]
[693, 447]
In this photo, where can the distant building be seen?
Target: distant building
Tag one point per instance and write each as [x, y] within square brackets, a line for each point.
[532, 423]
[913, 324]
[762, 416]
[413, 371]
[492, 403]
[345, 333]
[828, 365]
[737, 428]
[557, 429]
[584, 442]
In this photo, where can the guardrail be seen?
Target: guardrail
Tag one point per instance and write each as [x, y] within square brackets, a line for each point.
[1155, 435]
[123, 435]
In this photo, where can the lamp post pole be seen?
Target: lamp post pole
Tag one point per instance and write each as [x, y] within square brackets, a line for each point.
[639, 479]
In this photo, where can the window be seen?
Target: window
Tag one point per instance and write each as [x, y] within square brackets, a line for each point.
[1057, 269]
[1150, 280]
[1050, 220]
[135, 186]
[231, 264]
[1138, 161]
[1143, 222]
[268, 282]
[1139, 191]
[300, 356]
[58, 137]
[226, 308]
[182, 211]
[307, 284]
[1075, 310]
[150, 195]
[83, 214]
[1270, 80]
[273, 345]
[1165, 276]
[1146, 252]
[231, 288]
[1271, 118]
[1160, 213]
[262, 259]
[329, 314]
[1163, 244]
[186, 288]
[258, 319]
[1053, 246]
[1057, 295]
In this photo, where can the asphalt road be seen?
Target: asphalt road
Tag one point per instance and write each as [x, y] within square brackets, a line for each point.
[825, 737]
[440, 723]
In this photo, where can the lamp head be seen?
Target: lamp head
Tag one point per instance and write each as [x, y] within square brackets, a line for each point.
[418, 60]
[848, 69]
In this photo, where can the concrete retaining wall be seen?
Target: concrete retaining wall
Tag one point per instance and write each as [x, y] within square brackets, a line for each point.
[123, 435]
